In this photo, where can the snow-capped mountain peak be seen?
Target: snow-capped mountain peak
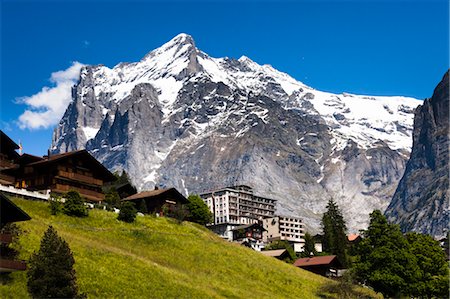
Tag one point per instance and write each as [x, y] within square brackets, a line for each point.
[180, 117]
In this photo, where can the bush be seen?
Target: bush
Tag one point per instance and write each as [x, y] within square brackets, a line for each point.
[143, 207]
[74, 205]
[55, 207]
[51, 273]
[112, 198]
[127, 212]
[198, 210]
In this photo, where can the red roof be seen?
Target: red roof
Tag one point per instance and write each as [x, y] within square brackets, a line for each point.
[352, 237]
[315, 261]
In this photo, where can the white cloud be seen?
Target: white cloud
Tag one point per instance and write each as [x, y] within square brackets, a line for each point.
[46, 107]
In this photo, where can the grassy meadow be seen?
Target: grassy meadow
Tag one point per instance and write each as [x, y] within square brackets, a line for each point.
[160, 258]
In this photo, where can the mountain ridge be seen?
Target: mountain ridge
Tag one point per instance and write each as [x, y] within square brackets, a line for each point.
[420, 202]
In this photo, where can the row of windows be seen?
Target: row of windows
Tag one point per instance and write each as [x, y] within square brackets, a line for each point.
[290, 219]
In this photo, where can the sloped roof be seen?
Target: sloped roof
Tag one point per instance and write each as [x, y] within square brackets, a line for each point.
[248, 226]
[273, 253]
[157, 192]
[103, 171]
[9, 212]
[5, 140]
[315, 261]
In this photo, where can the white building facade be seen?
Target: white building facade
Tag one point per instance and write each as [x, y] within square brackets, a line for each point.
[285, 228]
[237, 205]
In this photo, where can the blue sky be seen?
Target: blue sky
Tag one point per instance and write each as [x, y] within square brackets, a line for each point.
[362, 47]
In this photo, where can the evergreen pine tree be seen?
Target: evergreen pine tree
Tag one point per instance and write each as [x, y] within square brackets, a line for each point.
[309, 247]
[51, 273]
[384, 260]
[334, 231]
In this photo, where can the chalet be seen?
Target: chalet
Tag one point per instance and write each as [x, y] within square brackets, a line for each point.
[250, 231]
[9, 213]
[249, 235]
[159, 201]
[8, 156]
[327, 265]
[280, 254]
[60, 173]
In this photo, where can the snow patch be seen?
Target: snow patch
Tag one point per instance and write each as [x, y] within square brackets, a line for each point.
[90, 132]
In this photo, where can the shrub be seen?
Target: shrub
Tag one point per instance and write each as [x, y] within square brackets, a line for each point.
[127, 212]
[143, 207]
[51, 273]
[198, 210]
[112, 198]
[74, 205]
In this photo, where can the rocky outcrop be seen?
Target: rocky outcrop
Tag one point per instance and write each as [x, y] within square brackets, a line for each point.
[420, 202]
[183, 119]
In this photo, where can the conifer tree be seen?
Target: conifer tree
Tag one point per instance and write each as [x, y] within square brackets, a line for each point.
[334, 231]
[309, 247]
[51, 273]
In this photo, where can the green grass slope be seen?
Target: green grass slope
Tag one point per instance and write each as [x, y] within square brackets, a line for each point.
[158, 258]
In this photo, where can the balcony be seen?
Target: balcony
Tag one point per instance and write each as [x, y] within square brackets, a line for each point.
[5, 238]
[80, 177]
[88, 194]
[12, 265]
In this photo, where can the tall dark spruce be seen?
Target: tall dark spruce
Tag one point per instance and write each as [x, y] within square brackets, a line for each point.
[420, 202]
[334, 232]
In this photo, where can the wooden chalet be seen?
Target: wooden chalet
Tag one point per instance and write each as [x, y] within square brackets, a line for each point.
[9, 213]
[327, 265]
[158, 200]
[280, 254]
[8, 156]
[249, 231]
[78, 171]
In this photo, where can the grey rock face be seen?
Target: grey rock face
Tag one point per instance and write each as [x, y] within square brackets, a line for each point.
[182, 119]
[420, 202]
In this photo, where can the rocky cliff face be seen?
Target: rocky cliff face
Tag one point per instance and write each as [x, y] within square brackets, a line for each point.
[181, 118]
[420, 202]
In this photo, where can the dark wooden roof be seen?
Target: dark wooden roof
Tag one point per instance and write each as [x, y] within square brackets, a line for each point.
[316, 261]
[245, 226]
[9, 212]
[105, 174]
[27, 158]
[158, 192]
[7, 145]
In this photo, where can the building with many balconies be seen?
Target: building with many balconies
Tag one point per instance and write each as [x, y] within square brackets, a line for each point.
[285, 228]
[237, 205]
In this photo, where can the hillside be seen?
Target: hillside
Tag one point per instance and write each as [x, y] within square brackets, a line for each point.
[158, 258]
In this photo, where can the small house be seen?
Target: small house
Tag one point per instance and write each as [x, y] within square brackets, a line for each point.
[280, 254]
[249, 231]
[161, 201]
[327, 265]
[9, 213]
